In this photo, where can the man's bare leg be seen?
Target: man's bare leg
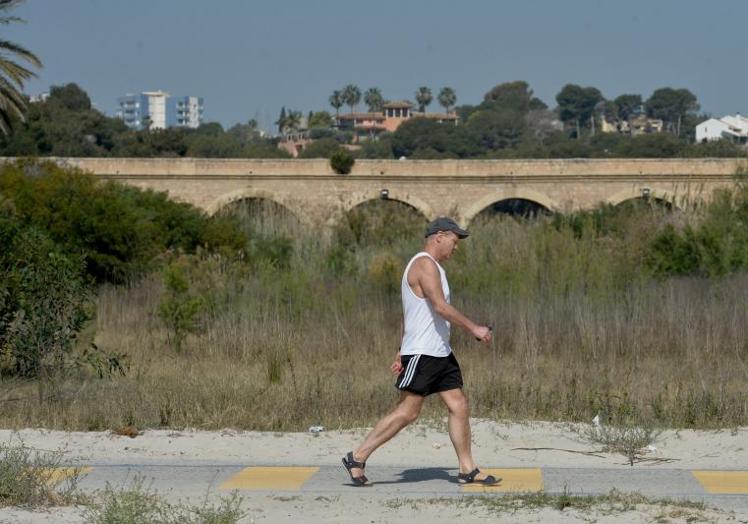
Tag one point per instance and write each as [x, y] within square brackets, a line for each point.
[459, 429]
[406, 412]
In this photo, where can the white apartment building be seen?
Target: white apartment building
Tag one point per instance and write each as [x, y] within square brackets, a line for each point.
[185, 111]
[158, 110]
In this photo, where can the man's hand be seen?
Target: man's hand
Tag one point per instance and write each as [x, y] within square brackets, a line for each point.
[483, 333]
[397, 365]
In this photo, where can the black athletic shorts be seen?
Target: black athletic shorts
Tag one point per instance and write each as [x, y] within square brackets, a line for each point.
[424, 374]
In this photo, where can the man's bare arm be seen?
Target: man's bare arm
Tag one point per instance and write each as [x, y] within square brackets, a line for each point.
[430, 282]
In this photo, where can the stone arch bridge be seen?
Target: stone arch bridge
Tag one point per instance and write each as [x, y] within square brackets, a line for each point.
[461, 188]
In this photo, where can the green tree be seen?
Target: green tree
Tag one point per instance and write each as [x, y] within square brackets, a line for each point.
[577, 105]
[423, 98]
[447, 98]
[71, 97]
[671, 106]
[628, 106]
[244, 134]
[510, 95]
[322, 148]
[373, 98]
[320, 120]
[654, 145]
[12, 73]
[497, 129]
[293, 121]
[336, 101]
[421, 137]
[210, 129]
[351, 96]
[63, 125]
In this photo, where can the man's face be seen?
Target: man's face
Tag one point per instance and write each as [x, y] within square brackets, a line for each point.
[448, 242]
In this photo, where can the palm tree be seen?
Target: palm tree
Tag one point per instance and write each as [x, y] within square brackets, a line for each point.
[447, 98]
[293, 120]
[336, 101]
[351, 96]
[373, 98]
[423, 97]
[13, 74]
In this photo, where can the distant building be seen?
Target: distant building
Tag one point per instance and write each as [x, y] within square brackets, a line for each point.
[733, 128]
[637, 125]
[185, 111]
[393, 114]
[643, 125]
[158, 110]
[41, 97]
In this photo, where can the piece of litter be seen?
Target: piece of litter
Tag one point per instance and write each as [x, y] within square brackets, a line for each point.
[596, 421]
[316, 429]
[436, 445]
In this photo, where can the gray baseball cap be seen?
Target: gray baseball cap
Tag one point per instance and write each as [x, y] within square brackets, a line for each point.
[446, 224]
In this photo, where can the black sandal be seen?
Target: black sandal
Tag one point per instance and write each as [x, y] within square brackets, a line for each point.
[469, 478]
[349, 463]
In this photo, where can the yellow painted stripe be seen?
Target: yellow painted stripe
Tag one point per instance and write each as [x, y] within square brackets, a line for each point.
[727, 482]
[265, 478]
[57, 475]
[513, 480]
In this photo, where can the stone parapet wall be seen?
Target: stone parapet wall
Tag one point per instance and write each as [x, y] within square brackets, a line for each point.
[427, 168]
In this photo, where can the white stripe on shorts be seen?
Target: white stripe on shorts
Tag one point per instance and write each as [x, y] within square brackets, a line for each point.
[409, 372]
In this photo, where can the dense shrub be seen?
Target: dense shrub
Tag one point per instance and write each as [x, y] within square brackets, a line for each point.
[322, 148]
[715, 244]
[117, 230]
[44, 302]
[341, 161]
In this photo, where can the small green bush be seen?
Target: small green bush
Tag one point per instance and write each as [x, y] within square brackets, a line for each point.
[44, 302]
[26, 477]
[179, 307]
[140, 503]
[342, 161]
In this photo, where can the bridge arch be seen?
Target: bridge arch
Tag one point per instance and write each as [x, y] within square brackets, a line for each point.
[249, 194]
[638, 193]
[530, 195]
[395, 195]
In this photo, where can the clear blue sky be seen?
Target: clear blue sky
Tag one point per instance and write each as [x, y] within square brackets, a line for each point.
[248, 58]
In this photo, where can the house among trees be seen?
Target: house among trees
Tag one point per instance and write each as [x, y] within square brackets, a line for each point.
[634, 126]
[368, 125]
[732, 128]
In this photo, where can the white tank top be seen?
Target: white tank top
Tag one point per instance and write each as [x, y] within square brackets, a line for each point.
[426, 332]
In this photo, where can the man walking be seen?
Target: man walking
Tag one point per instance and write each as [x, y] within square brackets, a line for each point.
[425, 363]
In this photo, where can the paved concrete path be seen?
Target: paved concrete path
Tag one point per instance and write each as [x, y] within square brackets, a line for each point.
[724, 489]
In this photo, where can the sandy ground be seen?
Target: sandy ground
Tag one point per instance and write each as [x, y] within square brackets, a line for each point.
[495, 444]
[345, 510]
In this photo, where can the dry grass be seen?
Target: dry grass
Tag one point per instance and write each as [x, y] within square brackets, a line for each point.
[579, 329]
